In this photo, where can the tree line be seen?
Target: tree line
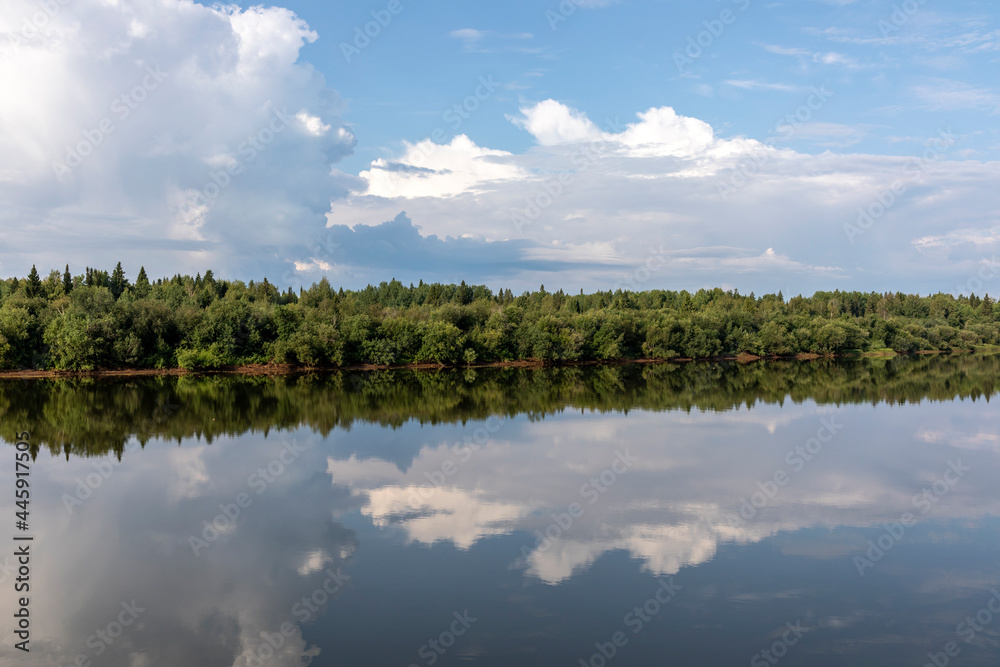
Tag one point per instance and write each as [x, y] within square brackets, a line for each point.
[102, 320]
[94, 416]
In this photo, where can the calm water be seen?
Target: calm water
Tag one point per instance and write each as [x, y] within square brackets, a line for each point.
[541, 517]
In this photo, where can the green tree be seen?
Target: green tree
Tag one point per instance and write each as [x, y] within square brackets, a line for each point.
[142, 286]
[119, 283]
[442, 343]
[67, 281]
[83, 337]
[16, 328]
[33, 288]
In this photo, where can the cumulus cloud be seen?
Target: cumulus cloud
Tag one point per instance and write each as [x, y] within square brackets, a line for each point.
[552, 123]
[192, 133]
[665, 180]
[214, 608]
[456, 515]
[194, 137]
[672, 508]
[427, 169]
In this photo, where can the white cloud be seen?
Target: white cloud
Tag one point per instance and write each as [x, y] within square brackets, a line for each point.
[827, 58]
[239, 587]
[468, 34]
[599, 195]
[489, 41]
[949, 95]
[427, 169]
[833, 58]
[761, 85]
[610, 194]
[673, 507]
[785, 51]
[552, 123]
[451, 514]
[221, 77]
[662, 132]
[313, 124]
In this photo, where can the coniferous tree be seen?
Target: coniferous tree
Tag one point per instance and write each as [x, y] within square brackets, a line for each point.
[33, 287]
[142, 286]
[67, 281]
[118, 281]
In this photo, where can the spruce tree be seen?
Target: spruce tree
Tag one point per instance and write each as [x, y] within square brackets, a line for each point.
[118, 281]
[33, 287]
[142, 286]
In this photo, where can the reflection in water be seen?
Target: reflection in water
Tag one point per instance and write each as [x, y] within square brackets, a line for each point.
[130, 541]
[93, 416]
[550, 506]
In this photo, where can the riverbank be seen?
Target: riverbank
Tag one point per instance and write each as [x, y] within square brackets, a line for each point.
[292, 369]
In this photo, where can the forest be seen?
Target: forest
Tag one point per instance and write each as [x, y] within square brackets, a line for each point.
[100, 320]
[89, 416]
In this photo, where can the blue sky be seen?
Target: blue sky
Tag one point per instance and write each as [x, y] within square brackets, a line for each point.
[819, 144]
[892, 87]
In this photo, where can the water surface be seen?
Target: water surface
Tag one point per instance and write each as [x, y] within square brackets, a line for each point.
[827, 513]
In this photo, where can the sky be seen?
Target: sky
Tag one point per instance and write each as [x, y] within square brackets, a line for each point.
[583, 144]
